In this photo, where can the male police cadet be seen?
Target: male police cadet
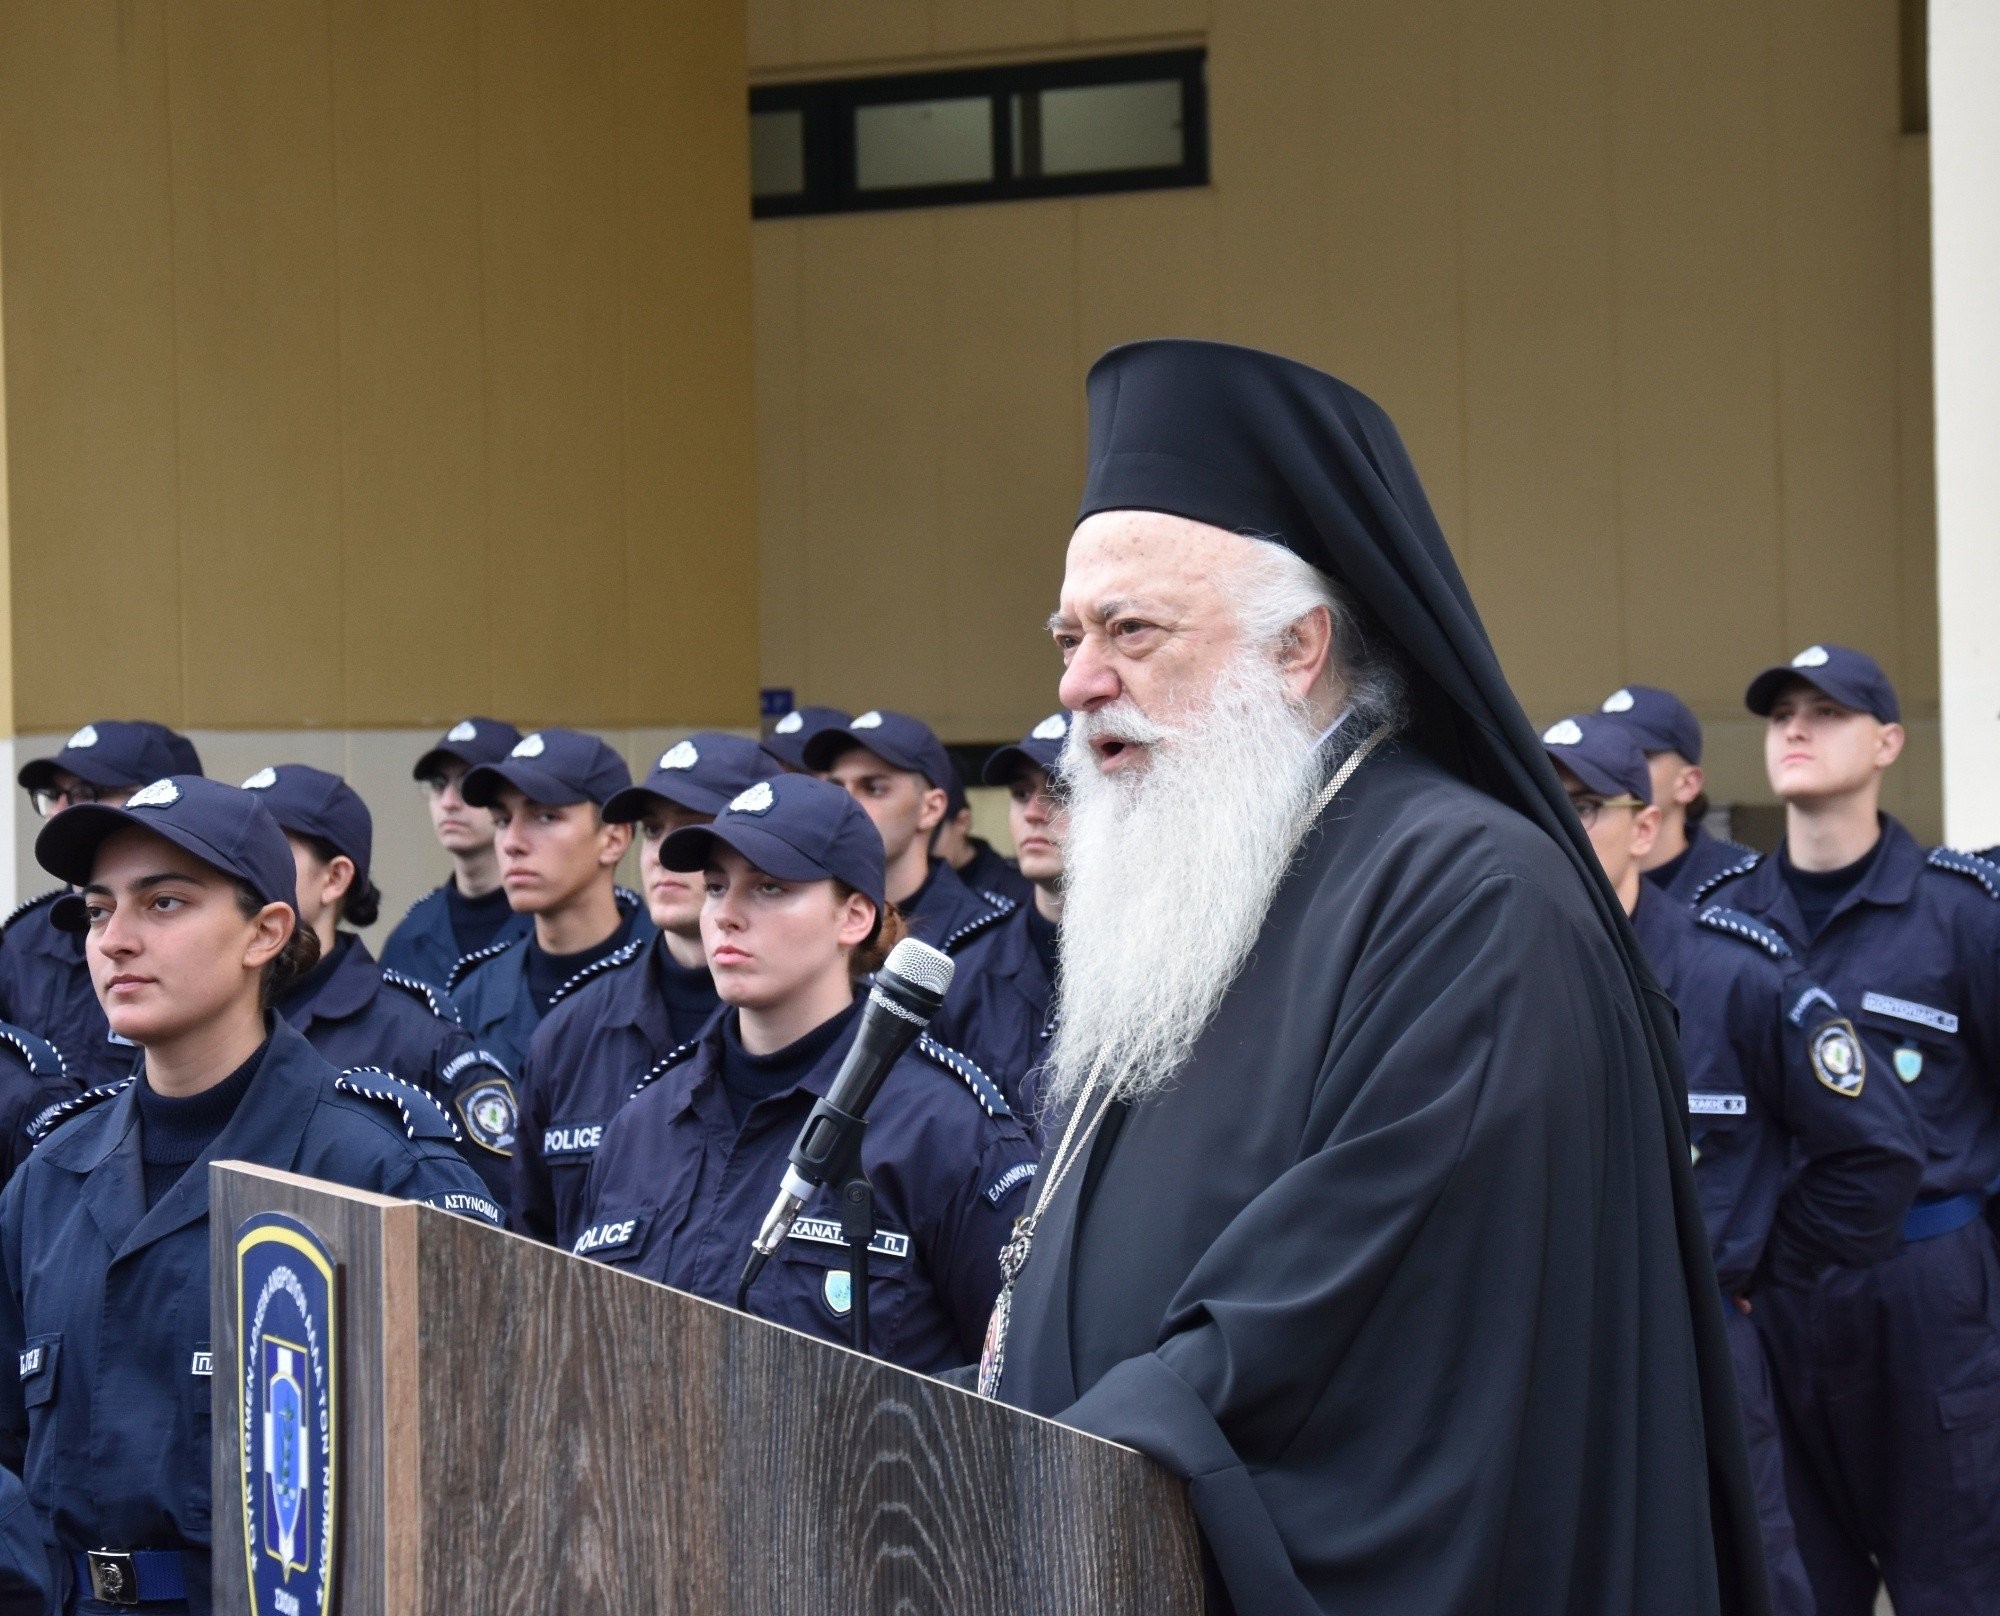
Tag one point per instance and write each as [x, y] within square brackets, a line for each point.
[792, 733]
[469, 912]
[44, 983]
[187, 897]
[1004, 1015]
[586, 1058]
[355, 1012]
[558, 863]
[1803, 1157]
[899, 772]
[1684, 855]
[1891, 1373]
[977, 861]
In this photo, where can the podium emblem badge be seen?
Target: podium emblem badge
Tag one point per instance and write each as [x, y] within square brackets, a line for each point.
[287, 1368]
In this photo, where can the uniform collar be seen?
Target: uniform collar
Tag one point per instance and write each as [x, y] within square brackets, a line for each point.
[947, 911]
[704, 1068]
[350, 989]
[1891, 880]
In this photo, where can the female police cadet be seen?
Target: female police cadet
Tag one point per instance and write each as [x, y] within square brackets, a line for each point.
[794, 916]
[355, 1012]
[191, 935]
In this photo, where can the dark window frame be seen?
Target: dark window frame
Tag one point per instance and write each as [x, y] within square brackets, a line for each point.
[828, 115]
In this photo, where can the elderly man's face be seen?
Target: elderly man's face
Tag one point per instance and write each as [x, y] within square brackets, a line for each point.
[1146, 618]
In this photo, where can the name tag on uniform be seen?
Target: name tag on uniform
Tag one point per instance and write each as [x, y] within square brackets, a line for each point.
[1923, 1015]
[826, 1232]
[577, 1140]
[605, 1237]
[204, 1362]
[31, 1362]
[1717, 1105]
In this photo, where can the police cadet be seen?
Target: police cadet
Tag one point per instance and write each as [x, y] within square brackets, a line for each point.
[1891, 1373]
[899, 772]
[978, 862]
[469, 912]
[558, 862]
[584, 1059]
[1004, 1015]
[1801, 1160]
[44, 983]
[794, 918]
[360, 1014]
[191, 936]
[792, 733]
[1684, 854]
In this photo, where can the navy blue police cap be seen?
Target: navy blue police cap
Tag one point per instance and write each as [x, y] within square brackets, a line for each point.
[788, 737]
[1602, 753]
[471, 741]
[310, 802]
[896, 738]
[703, 774]
[1661, 720]
[113, 753]
[1852, 678]
[219, 824]
[554, 767]
[794, 827]
[1040, 748]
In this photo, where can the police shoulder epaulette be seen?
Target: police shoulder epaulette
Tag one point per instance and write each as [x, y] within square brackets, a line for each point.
[1969, 865]
[998, 909]
[627, 898]
[468, 963]
[21, 909]
[967, 1071]
[52, 1117]
[1735, 923]
[610, 962]
[423, 1117]
[1742, 866]
[665, 1064]
[433, 1000]
[43, 1058]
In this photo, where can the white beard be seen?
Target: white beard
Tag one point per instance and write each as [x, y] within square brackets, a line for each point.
[1169, 872]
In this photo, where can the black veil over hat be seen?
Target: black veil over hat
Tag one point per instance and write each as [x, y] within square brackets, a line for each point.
[1267, 447]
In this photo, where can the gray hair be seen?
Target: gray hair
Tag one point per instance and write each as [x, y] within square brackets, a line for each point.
[1277, 587]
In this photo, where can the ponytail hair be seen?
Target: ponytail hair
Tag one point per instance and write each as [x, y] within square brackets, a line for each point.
[890, 930]
[361, 905]
[292, 962]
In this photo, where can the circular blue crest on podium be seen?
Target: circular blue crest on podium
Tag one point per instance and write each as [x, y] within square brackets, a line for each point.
[288, 1358]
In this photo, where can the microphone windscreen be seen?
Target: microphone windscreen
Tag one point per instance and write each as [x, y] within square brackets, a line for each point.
[922, 966]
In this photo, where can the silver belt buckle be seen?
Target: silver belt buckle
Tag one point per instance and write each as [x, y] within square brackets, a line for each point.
[113, 1577]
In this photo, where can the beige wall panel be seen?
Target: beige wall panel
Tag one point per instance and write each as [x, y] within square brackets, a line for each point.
[257, 335]
[980, 25]
[412, 427]
[829, 31]
[785, 594]
[772, 27]
[89, 360]
[1916, 443]
[1146, 266]
[1139, 19]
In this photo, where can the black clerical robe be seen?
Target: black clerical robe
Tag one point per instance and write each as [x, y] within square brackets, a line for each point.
[1388, 1270]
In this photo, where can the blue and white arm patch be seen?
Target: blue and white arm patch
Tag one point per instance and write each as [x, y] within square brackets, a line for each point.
[1746, 928]
[967, 1071]
[1020, 1173]
[464, 1204]
[1813, 994]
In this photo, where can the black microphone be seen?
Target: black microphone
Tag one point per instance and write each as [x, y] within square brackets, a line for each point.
[908, 991]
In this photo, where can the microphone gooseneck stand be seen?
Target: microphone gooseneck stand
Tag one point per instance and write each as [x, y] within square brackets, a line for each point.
[857, 1223]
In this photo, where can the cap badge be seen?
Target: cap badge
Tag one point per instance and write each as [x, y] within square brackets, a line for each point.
[868, 720]
[1566, 733]
[681, 755]
[160, 794]
[1052, 728]
[262, 780]
[757, 800]
[790, 724]
[85, 737]
[530, 746]
[463, 730]
[1813, 656]
[1619, 701]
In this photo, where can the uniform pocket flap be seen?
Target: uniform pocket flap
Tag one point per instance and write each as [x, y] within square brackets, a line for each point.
[38, 1368]
[1968, 1407]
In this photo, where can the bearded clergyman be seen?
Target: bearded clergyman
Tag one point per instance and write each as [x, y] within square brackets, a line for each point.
[1366, 1205]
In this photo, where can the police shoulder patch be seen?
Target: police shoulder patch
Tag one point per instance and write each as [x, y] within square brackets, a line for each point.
[423, 1117]
[1969, 865]
[43, 1058]
[1749, 929]
[432, 1000]
[966, 1070]
[21, 909]
[489, 1111]
[665, 1064]
[1837, 1057]
[1742, 866]
[50, 1118]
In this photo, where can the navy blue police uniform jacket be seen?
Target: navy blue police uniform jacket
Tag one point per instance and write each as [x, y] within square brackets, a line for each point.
[366, 1016]
[1913, 954]
[1806, 1154]
[489, 990]
[987, 871]
[33, 1080]
[105, 1306]
[28, 1580]
[424, 946]
[677, 1193]
[1000, 1010]
[1707, 857]
[45, 986]
[583, 1063]
[948, 914]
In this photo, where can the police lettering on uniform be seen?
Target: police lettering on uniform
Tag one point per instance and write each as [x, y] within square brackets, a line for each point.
[1684, 854]
[1002, 1012]
[44, 983]
[32, 1079]
[794, 916]
[558, 864]
[1891, 1373]
[187, 896]
[792, 733]
[1803, 1157]
[583, 1060]
[469, 912]
[355, 1012]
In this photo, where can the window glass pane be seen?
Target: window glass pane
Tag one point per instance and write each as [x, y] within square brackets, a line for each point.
[777, 153]
[923, 143]
[1100, 127]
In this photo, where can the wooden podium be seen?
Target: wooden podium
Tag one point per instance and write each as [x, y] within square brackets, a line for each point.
[525, 1431]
